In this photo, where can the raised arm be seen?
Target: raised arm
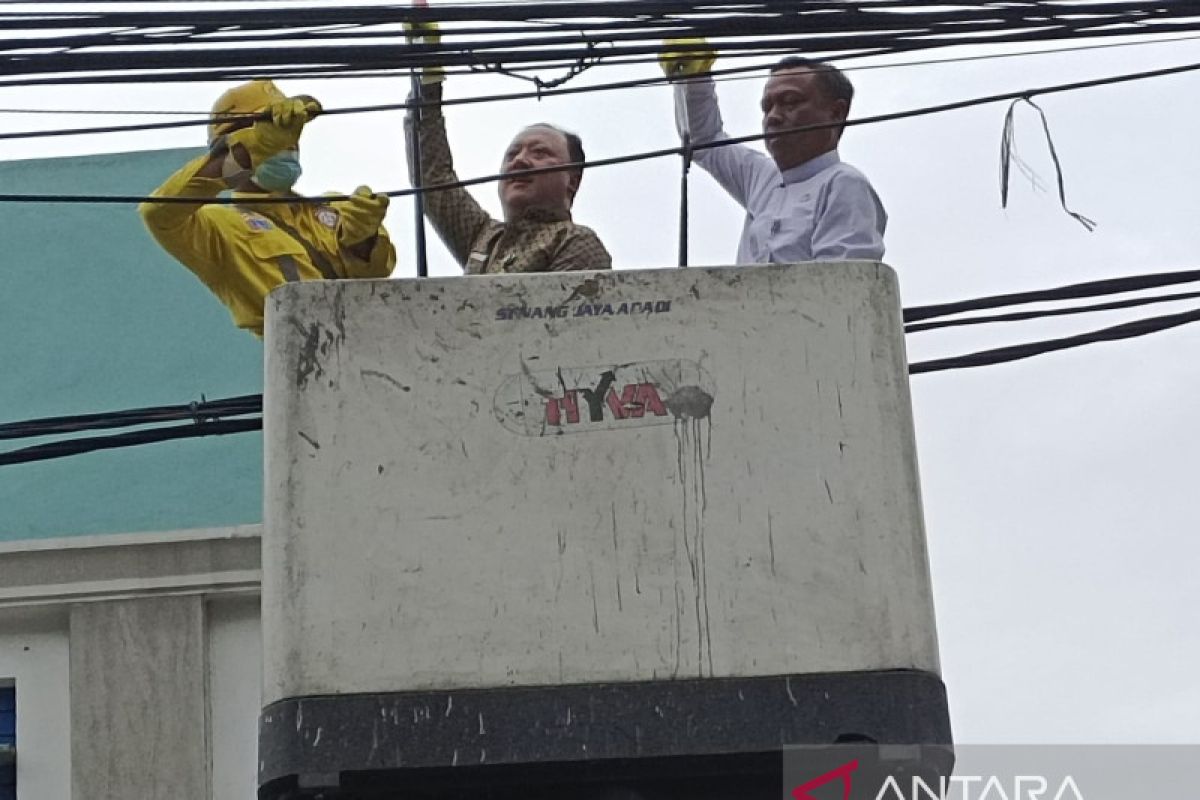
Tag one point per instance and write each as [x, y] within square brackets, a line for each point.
[171, 223]
[231, 158]
[367, 251]
[456, 215]
[195, 238]
[697, 113]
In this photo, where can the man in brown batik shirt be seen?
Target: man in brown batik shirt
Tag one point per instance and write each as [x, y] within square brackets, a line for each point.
[537, 234]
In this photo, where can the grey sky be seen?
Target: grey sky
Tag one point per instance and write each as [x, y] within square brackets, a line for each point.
[1059, 491]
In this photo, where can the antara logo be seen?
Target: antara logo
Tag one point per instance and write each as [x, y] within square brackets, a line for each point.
[582, 399]
[844, 775]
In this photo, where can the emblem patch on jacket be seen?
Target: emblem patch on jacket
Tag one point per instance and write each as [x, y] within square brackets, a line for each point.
[256, 223]
[327, 217]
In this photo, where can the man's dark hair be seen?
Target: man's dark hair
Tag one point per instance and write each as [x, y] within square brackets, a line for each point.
[834, 82]
[574, 145]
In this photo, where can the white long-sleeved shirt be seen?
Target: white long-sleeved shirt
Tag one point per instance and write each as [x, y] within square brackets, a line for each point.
[821, 210]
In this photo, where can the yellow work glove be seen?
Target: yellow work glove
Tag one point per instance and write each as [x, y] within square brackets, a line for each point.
[686, 63]
[281, 132]
[426, 33]
[361, 216]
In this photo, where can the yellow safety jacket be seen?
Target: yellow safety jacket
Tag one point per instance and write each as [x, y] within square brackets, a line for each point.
[242, 252]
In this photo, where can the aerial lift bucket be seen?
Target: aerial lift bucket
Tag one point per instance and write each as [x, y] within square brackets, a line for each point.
[636, 531]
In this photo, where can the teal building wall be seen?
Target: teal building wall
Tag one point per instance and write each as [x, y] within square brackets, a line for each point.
[95, 317]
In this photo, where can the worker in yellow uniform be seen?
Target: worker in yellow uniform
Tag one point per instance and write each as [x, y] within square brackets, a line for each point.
[242, 252]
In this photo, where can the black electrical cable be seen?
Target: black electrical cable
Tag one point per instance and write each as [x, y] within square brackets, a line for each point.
[345, 73]
[197, 412]
[181, 64]
[1002, 355]
[204, 119]
[616, 160]
[90, 444]
[892, 41]
[264, 62]
[818, 18]
[1073, 291]
[814, 23]
[908, 25]
[719, 75]
[141, 126]
[1021, 316]
[880, 12]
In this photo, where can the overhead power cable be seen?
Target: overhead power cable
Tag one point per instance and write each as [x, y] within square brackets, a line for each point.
[203, 118]
[1021, 316]
[226, 43]
[1002, 355]
[71, 447]
[721, 75]
[626, 159]
[202, 412]
[342, 72]
[1075, 291]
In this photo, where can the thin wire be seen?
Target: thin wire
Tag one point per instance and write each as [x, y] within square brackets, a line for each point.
[1018, 352]
[1101, 13]
[1012, 22]
[405, 106]
[605, 162]
[721, 75]
[198, 412]
[725, 75]
[90, 444]
[1008, 156]
[1021, 316]
[1074, 291]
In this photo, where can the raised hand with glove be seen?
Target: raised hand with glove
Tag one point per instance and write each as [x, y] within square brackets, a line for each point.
[268, 147]
[686, 58]
[426, 33]
[361, 216]
[282, 131]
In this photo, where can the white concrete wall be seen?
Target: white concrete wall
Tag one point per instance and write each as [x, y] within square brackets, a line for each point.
[34, 653]
[442, 511]
[138, 708]
[57, 598]
[235, 693]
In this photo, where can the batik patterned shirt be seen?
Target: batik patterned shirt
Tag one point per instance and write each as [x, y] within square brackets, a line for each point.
[538, 241]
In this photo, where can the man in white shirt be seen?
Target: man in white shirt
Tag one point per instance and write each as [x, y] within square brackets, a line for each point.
[803, 203]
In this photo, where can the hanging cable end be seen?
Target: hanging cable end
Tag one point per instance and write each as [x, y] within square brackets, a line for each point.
[1091, 225]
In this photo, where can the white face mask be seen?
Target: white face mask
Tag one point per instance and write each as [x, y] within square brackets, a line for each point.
[279, 172]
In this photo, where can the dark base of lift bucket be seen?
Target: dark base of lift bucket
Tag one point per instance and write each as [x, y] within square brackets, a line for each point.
[701, 739]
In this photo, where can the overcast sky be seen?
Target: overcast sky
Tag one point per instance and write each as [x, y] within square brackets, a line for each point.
[1060, 492]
